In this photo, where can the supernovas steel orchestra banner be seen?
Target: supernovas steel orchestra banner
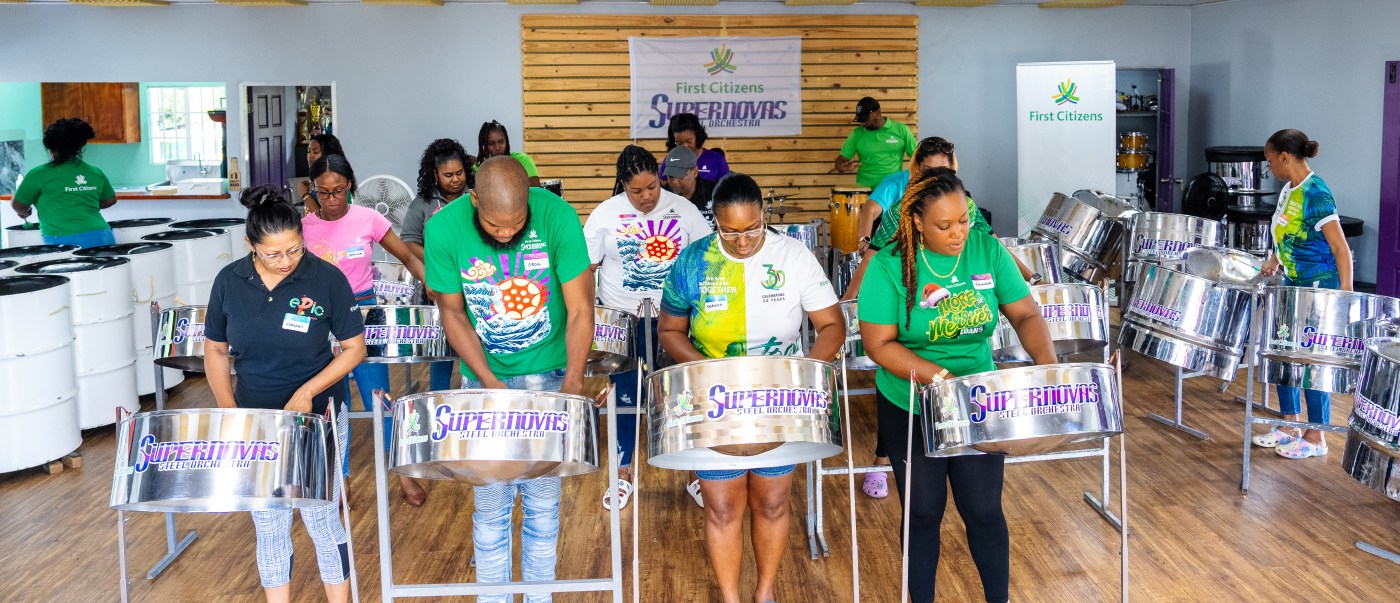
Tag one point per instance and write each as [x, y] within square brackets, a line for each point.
[1065, 124]
[737, 86]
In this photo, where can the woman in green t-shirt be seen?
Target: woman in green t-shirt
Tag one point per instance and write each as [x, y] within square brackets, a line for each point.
[493, 141]
[928, 306]
[70, 192]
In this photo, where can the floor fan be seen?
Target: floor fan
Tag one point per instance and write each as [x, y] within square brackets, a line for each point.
[390, 197]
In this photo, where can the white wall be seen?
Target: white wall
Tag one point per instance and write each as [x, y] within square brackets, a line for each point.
[407, 75]
[1259, 66]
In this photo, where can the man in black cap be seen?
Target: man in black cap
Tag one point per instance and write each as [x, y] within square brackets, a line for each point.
[878, 148]
[683, 178]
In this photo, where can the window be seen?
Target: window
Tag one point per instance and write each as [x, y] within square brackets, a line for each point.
[180, 127]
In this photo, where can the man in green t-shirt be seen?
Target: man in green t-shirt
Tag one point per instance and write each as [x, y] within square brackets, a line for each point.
[510, 270]
[877, 148]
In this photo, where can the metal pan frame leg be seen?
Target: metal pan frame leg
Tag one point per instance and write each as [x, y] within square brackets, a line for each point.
[1181, 375]
[173, 544]
[1378, 551]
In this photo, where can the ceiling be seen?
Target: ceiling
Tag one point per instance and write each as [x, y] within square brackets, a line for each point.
[567, 2]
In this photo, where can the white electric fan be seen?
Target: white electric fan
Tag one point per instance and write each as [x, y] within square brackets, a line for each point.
[390, 197]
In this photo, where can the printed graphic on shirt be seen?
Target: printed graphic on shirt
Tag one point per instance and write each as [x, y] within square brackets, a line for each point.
[961, 313]
[323, 249]
[648, 249]
[507, 296]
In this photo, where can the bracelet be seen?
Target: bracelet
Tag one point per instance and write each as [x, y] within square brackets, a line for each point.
[937, 378]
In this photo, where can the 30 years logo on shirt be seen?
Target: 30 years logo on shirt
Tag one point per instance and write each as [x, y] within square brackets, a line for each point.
[774, 278]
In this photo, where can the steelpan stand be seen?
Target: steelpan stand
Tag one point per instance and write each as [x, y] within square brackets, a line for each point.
[1251, 359]
[173, 545]
[1182, 375]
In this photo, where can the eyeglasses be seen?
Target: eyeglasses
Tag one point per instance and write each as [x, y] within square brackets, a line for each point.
[335, 194]
[292, 253]
[748, 235]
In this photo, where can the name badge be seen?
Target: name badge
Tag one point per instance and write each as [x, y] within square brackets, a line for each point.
[716, 303]
[982, 281]
[538, 260]
[292, 322]
[355, 253]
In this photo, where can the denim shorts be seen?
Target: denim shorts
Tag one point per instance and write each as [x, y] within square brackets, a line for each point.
[726, 474]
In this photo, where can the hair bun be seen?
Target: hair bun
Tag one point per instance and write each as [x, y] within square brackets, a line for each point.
[260, 195]
[1310, 149]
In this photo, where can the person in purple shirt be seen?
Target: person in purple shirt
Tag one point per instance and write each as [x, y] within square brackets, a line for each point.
[686, 130]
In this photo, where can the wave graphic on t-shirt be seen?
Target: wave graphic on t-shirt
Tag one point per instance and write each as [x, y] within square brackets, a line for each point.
[648, 250]
[499, 333]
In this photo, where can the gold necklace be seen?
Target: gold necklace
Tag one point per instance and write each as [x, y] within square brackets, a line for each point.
[930, 266]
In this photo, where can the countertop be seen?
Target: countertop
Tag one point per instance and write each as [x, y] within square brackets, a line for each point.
[144, 196]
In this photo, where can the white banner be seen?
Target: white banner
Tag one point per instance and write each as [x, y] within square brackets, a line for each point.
[737, 86]
[1065, 126]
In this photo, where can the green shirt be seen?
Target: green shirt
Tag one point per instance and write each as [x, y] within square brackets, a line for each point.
[889, 220]
[67, 196]
[954, 331]
[513, 296]
[881, 152]
[525, 161]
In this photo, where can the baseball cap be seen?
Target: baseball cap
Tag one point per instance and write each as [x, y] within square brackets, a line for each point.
[865, 107]
[678, 162]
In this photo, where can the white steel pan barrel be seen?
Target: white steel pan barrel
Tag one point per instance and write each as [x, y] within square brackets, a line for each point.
[1075, 313]
[394, 285]
[100, 286]
[38, 384]
[1041, 257]
[152, 279]
[199, 255]
[180, 338]
[854, 348]
[1021, 411]
[22, 235]
[131, 231]
[495, 436]
[30, 254]
[404, 334]
[236, 227]
[742, 413]
[221, 460]
[1372, 453]
[612, 341]
[1313, 338]
[1187, 321]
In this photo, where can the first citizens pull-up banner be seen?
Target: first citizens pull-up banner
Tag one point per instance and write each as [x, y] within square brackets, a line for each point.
[737, 86]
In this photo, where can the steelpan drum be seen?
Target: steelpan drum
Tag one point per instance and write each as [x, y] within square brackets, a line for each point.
[131, 231]
[854, 348]
[1227, 267]
[1313, 338]
[1159, 237]
[554, 186]
[1077, 317]
[612, 341]
[1187, 321]
[394, 285]
[404, 334]
[1088, 238]
[493, 436]
[809, 233]
[1042, 258]
[742, 413]
[220, 460]
[1021, 411]
[180, 338]
[1372, 454]
[844, 271]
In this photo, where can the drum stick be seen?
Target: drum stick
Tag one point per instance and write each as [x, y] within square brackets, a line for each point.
[850, 480]
[908, 493]
[344, 506]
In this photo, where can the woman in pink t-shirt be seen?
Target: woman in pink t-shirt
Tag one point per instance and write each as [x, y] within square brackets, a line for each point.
[345, 234]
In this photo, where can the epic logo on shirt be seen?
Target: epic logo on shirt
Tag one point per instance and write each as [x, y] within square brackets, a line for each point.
[306, 306]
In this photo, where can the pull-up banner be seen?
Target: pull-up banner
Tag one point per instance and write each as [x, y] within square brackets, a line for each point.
[737, 86]
[1065, 124]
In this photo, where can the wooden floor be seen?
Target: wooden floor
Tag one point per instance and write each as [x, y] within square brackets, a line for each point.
[1194, 537]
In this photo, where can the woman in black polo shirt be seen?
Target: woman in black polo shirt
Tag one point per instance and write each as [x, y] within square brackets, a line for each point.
[277, 308]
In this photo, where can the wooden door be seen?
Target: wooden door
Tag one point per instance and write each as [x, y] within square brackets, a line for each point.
[268, 161]
[1388, 245]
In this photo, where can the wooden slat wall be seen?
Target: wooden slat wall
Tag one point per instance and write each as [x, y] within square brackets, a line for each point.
[576, 96]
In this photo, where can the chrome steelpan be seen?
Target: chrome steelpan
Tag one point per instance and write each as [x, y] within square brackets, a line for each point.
[1113, 207]
[1159, 237]
[1227, 267]
[1372, 454]
[1187, 321]
[810, 233]
[854, 348]
[220, 460]
[554, 186]
[612, 341]
[742, 413]
[493, 436]
[1076, 314]
[1040, 257]
[394, 285]
[1313, 338]
[1088, 237]
[1021, 411]
[844, 271]
[404, 334]
[180, 338]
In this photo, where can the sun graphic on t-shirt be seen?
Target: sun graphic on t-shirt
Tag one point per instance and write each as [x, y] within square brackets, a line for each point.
[659, 248]
[517, 298]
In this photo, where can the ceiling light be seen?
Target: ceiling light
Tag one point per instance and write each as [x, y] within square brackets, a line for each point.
[957, 3]
[1081, 3]
[121, 2]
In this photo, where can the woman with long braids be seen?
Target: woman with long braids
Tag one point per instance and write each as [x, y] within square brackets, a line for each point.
[929, 306]
[633, 239]
[493, 141]
[70, 192]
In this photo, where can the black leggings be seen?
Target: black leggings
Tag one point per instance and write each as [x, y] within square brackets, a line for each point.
[976, 483]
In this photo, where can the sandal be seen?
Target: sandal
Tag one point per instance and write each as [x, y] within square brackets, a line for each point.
[694, 490]
[1301, 449]
[877, 484]
[1276, 437]
[624, 493]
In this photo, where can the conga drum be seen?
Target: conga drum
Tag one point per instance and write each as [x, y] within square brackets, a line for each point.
[844, 210]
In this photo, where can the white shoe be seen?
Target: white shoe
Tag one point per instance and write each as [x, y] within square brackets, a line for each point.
[624, 493]
[694, 490]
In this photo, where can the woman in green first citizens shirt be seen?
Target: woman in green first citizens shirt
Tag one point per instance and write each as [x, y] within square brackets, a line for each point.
[69, 192]
[929, 305]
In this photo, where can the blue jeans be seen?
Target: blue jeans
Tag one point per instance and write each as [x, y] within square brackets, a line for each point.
[491, 525]
[629, 395]
[91, 238]
[1319, 403]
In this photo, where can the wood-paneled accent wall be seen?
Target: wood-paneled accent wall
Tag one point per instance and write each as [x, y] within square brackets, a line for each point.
[577, 94]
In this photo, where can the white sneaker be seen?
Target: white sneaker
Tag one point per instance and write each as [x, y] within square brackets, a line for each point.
[694, 490]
